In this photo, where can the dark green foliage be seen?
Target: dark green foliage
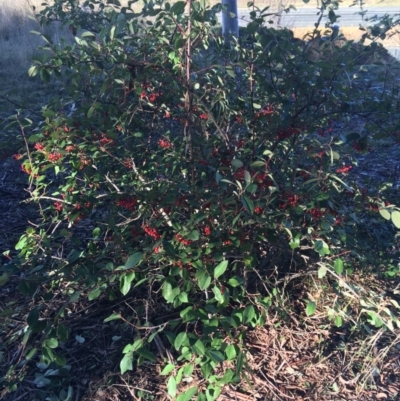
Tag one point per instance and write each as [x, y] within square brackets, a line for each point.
[192, 162]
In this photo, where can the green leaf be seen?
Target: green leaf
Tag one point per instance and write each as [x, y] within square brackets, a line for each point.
[126, 362]
[247, 178]
[21, 243]
[239, 363]
[181, 339]
[193, 235]
[145, 353]
[31, 354]
[62, 332]
[338, 321]
[75, 296]
[168, 369]
[188, 370]
[311, 308]
[237, 163]
[7, 312]
[230, 72]
[94, 294]
[235, 281]
[198, 348]
[90, 112]
[33, 317]
[321, 247]
[216, 356]
[169, 249]
[375, 318]
[218, 177]
[295, 242]
[248, 314]
[125, 282]
[133, 347]
[322, 272]
[112, 32]
[178, 376]
[230, 351]
[51, 343]
[396, 218]
[178, 7]
[384, 213]
[88, 34]
[32, 72]
[203, 279]
[229, 377]
[187, 395]
[121, 21]
[133, 260]
[183, 297]
[48, 354]
[220, 269]
[3, 279]
[248, 204]
[169, 292]
[218, 295]
[113, 316]
[339, 266]
[171, 386]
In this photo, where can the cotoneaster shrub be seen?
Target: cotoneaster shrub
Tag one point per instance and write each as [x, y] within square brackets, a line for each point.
[192, 169]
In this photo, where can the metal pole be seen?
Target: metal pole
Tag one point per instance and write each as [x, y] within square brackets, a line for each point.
[230, 25]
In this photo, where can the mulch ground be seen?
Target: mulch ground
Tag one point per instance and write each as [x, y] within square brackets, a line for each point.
[287, 359]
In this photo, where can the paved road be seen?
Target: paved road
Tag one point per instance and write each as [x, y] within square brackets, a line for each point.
[306, 17]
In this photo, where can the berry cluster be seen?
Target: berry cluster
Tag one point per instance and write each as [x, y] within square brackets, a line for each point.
[128, 163]
[152, 97]
[182, 240]
[54, 157]
[181, 200]
[287, 133]
[344, 169]
[316, 213]
[207, 230]
[38, 146]
[324, 131]
[267, 110]
[70, 148]
[128, 203]
[152, 232]
[164, 143]
[105, 140]
[290, 200]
